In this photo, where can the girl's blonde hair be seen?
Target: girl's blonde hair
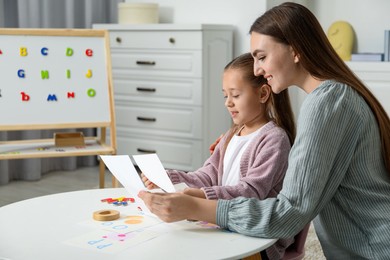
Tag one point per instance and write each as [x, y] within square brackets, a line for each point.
[293, 24]
[278, 106]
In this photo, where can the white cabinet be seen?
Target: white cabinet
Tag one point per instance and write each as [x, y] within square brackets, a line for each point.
[376, 76]
[167, 82]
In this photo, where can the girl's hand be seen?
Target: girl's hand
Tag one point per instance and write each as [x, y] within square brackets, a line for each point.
[148, 184]
[194, 192]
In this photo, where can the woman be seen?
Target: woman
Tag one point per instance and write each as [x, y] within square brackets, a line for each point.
[339, 165]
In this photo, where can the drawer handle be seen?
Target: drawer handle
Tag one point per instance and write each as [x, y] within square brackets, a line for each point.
[149, 119]
[118, 39]
[140, 150]
[172, 40]
[146, 89]
[150, 63]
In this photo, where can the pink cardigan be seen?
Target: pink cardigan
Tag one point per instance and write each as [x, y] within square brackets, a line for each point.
[262, 169]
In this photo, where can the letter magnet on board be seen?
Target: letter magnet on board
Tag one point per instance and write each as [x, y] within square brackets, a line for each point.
[21, 74]
[91, 92]
[89, 74]
[44, 74]
[51, 97]
[25, 97]
[23, 51]
[69, 52]
[44, 51]
[89, 52]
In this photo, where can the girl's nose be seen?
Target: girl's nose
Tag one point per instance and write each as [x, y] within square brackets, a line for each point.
[228, 102]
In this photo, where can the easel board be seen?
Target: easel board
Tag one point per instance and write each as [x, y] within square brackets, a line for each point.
[54, 79]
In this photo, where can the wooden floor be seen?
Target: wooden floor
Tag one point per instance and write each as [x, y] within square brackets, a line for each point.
[88, 178]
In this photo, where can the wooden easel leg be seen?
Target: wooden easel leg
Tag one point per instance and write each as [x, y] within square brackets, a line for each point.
[256, 256]
[114, 182]
[102, 171]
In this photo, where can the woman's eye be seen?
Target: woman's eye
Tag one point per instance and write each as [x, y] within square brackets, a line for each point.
[261, 58]
[236, 96]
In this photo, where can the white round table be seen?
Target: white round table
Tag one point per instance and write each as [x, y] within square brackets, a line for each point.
[37, 228]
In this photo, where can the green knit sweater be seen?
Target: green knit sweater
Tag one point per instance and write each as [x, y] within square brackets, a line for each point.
[336, 173]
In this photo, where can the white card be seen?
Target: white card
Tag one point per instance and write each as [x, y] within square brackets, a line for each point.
[153, 169]
[124, 171]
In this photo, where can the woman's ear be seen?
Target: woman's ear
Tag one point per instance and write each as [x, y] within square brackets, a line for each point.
[295, 55]
[265, 92]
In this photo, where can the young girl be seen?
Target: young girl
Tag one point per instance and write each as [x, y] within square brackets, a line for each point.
[339, 165]
[251, 159]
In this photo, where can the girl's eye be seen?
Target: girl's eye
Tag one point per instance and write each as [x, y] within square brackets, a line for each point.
[236, 96]
[261, 58]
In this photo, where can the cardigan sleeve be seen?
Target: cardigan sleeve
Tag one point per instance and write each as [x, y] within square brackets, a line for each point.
[207, 175]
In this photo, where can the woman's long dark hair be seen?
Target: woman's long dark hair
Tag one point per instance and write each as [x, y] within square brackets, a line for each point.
[293, 24]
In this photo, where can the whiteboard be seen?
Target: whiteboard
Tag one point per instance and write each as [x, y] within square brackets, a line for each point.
[54, 78]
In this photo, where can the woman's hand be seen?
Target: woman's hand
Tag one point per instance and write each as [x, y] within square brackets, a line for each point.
[171, 207]
[148, 184]
[213, 145]
[194, 192]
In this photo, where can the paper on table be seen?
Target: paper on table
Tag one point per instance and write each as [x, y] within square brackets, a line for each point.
[123, 170]
[153, 169]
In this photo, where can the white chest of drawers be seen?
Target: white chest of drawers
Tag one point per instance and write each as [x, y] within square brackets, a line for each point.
[167, 82]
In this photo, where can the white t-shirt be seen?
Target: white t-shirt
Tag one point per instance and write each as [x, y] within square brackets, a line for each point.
[232, 159]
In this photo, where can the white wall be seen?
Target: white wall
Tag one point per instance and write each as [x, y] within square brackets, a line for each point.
[368, 18]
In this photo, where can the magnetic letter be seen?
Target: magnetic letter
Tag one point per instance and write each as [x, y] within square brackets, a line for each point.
[91, 92]
[69, 51]
[89, 74]
[23, 51]
[51, 97]
[68, 74]
[21, 74]
[44, 74]
[45, 51]
[25, 97]
[71, 95]
[89, 52]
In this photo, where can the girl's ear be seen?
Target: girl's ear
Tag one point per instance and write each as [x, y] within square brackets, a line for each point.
[265, 92]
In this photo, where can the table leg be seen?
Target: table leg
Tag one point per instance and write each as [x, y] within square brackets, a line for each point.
[256, 256]
[102, 171]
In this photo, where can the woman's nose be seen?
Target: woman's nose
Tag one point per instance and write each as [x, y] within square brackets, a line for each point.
[257, 70]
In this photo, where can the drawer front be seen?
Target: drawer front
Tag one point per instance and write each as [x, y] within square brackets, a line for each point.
[168, 40]
[175, 154]
[166, 91]
[184, 122]
[183, 64]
